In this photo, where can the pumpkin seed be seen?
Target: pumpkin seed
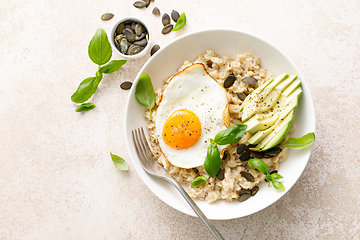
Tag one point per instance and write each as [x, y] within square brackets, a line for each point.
[220, 175]
[156, 11]
[107, 16]
[249, 80]
[225, 155]
[175, 15]
[124, 46]
[255, 154]
[141, 43]
[139, 29]
[130, 36]
[273, 151]
[165, 19]
[254, 190]
[147, 2]
[133, 49]
[249, 146]
[137, 38]
[154, 49]
[167, 29]
[244, 195]
[240, 148]
[241, 96]
[139, 4]
[119, 37]
[120, 28]
[229, 80]
[244, 157]
[126, 85]
[248, 176]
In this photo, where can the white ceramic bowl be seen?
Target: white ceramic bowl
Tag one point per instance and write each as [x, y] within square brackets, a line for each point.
[112, 39]
[165, 62]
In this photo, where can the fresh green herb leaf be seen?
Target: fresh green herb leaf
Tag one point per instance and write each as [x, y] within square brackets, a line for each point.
[301, 142]
[99, 48]
[278, 185]
[112, 66]
[231, 135]
[144, 92]
[198, 181]
[276, 176]
[85, 107]
[213, 161]
[86, 88]
[259, 165]
[119, 163]
[180, 23]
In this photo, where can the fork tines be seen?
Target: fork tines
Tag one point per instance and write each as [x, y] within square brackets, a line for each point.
[142, 147]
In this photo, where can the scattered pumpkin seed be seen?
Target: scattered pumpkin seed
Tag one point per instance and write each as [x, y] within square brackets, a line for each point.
[175, 15]
[167, 29]
[255, 154]
[156, 11]
[248, 176]
[241, 96]
[139, 4]
[244, 157]
[254, 190]
[107, 16]
[273, 151]
[154, 49]
[147, 2]
[220, 174]
[240, 148]
[165, 19]
[126, 85]
[229, 80]
[249, 80]
[244, 195]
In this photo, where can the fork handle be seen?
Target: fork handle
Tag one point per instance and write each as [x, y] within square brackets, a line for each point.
[197, 210]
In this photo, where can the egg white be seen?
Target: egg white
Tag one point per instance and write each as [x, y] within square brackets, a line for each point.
[195, 90]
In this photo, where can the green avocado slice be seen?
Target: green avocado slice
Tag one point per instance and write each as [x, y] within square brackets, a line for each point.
[255, 92]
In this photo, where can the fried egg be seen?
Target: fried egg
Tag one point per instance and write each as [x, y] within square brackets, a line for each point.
[193, 108]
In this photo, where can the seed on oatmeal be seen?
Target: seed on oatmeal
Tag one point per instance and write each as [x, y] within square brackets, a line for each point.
[126, 85]
[229, 80]
[244, 195]
[240, 149]
[167, 29]
[248, 176]
[273, 151]
[255, 154]
[244, 157]
[254, 190]
[154, 49]
[175, 15]
[249, 80]
[220, 174]
[139, 4]
[107, 16]
[165, 19]
[249, 146]
[225, 155]
[156, 11]
[274, 171]
[241, 96]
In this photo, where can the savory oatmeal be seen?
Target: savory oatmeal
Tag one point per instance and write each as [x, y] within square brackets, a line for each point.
[231, 178]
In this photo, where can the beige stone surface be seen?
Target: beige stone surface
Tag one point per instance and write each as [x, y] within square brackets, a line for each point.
[57, 180]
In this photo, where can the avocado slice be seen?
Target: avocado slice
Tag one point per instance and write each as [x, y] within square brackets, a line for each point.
[255, 92]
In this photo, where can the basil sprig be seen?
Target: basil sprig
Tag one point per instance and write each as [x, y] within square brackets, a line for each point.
[231, 135]
[180, 23]
[301, 142]
[119, 163]
[273, 178]
[144, 92]
[100, 52]
[198, 181]
[85, 107]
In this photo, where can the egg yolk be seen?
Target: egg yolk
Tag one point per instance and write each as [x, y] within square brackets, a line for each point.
[182, 129]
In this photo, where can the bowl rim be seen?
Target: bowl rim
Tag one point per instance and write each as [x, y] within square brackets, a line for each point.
[112, 39]
[310, 99]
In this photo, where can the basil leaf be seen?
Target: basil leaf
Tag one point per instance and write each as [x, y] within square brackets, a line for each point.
[278, 185]
[86, 88]
[260, 165]
[112, 66]
[198, 181]
[231, 135]
[99, 48]
[301, 142]
[119, 163]
[276, 176]
[213, 161]
[180, 23]
[85, 107]
[144, 92]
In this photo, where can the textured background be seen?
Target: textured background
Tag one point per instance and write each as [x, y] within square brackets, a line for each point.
[57, 180]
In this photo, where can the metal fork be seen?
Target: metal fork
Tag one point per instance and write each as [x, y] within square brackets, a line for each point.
[153, 167]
